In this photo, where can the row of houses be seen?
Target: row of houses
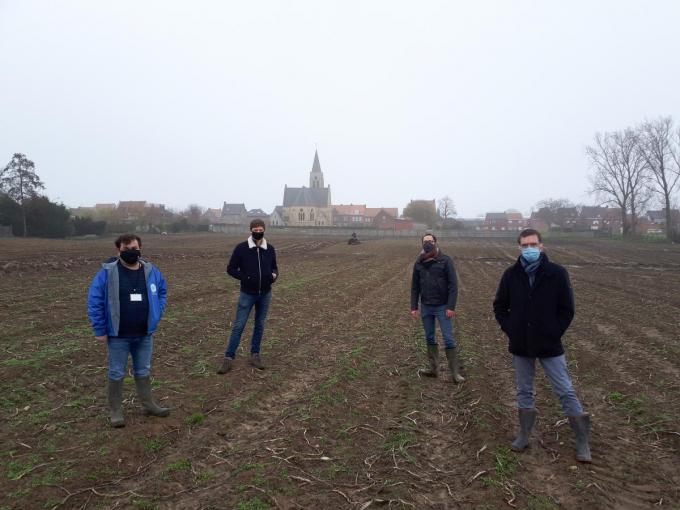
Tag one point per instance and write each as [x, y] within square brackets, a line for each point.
[312, 207]
[354, 216]
[577, 219]
[125, 211]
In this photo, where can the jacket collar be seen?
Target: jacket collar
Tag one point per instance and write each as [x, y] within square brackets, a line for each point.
[251, 243]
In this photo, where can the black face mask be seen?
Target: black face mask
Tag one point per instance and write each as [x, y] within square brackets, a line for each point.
[257, 235]
[130, 256]
[428, 247]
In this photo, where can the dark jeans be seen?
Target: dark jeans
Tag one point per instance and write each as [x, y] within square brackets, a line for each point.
[140, 349]
[245, 305]
[429, 314]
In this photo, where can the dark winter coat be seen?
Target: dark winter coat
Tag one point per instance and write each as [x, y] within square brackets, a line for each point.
[253, 266]
[434, 282]
[535, 318]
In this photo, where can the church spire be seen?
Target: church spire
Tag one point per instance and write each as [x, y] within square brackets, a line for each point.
[316, 175]
[316, 167]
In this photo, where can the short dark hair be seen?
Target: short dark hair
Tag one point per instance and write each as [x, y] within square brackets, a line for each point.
[127, 239]
[257, 222]
[529, 232]
[429, 234]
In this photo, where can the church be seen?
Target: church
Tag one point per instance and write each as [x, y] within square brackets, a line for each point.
[309, 207]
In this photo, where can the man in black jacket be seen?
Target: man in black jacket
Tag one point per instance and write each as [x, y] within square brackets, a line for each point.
[434, 283]
[253, 262]
[534, 306]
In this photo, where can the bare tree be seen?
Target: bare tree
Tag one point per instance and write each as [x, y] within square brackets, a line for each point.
[20, 182]
[446, 208]
[621, 174]
[194, 213]
[547, 209]
[660, 155]
[553, 204]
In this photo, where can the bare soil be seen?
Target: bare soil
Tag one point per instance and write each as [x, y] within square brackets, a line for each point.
[340, 417]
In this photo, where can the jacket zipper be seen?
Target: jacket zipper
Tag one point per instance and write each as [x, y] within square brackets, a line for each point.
[259, 267]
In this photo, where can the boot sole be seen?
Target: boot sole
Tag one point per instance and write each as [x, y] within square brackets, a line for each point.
[158, 415]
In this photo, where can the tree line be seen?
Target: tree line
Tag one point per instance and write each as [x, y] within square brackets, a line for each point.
[31, 214]
[636, 166]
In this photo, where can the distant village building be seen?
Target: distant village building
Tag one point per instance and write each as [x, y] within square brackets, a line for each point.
[360, 216]
[470, 223]
[234, 214]
[257, 214]
[276, 217]
[505, 221]
[654, 222]
[309, 207]
[351, 216]
[212, 215]
[495, 221]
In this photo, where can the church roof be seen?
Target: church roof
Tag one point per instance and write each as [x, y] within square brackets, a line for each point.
[306, 197]
[228, 209]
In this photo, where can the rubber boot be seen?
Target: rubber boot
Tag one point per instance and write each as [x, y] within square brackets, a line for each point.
[452, 357]
[527, 418]
[116, 402]
[581, 427]
[144, 391]
[226, 366]
[433, 359]
[256, 361]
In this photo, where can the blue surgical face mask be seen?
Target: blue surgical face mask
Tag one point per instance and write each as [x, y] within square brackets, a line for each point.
[531, 254]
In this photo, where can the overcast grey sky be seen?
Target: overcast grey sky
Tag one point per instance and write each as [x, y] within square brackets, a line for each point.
[490, 102]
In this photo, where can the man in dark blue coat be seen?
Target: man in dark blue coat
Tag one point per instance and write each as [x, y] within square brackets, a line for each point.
[253, 263]
[534, 306]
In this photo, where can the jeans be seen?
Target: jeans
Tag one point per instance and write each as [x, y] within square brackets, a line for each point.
[428, 315]
[139, 348]
[245, 305]
[558, 374]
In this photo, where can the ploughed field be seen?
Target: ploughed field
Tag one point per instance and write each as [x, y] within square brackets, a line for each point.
[340, 418]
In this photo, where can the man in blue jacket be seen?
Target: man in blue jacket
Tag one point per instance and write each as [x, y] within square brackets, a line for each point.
[253, 262]
[534, 306]
[125, 303]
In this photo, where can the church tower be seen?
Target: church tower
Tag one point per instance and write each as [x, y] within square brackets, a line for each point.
[316, 175]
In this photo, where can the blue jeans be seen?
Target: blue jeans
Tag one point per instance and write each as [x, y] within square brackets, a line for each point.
[428, 315]
[139, 348]
[245, 305]
[558, 374]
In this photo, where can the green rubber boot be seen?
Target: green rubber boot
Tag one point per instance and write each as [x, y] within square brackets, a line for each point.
[433, 359]
[144, 391]
[116, 402]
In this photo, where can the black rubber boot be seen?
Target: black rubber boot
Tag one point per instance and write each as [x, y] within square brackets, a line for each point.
[452, 357]
[433, 359]
[226, 366]
[144, 392]
[116, 402]
[256, 361]
[581, 427]
[527, 418]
